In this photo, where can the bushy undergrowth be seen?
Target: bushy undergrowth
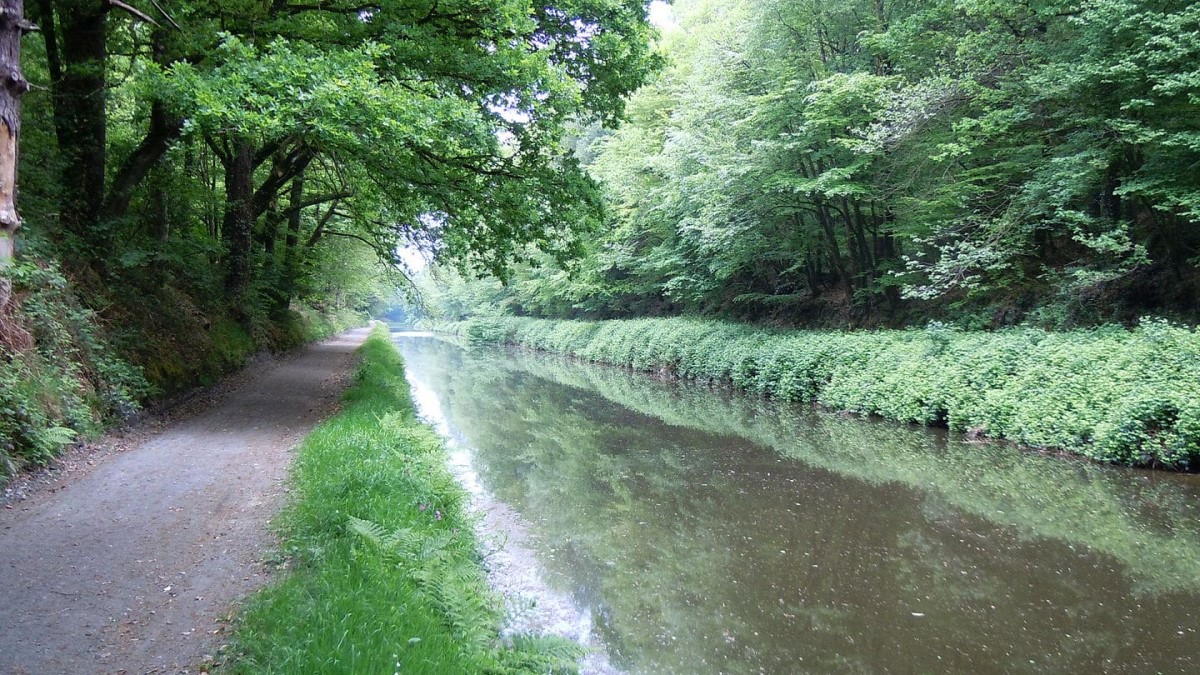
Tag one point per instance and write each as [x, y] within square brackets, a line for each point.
[1115, 395]
[67, 371]
[386, 573]
[180, 341]
[58, 377]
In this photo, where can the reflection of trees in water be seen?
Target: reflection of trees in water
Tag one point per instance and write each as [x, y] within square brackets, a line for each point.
[666, 520]
[1146, 521]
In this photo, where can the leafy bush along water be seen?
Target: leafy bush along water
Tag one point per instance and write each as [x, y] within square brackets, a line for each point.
[1115, 395]
[386, 573]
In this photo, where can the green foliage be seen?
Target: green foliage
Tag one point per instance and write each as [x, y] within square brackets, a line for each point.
[385, 573]
[68, 382]
[68, 371]
[245, 179]
[1115, 395]
[882, 162]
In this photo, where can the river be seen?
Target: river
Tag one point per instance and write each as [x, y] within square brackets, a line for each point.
[676, 528]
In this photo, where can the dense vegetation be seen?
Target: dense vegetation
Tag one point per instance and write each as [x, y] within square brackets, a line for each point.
[1131, 397]
[868, 162]
[385, 572]
[207, 179]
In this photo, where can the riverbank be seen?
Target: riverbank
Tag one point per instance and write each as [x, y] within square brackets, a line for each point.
[1113, 395]
[383, 569]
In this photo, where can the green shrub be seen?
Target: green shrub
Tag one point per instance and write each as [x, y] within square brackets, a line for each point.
[68, 371]
[58, 377]
[1115, 395]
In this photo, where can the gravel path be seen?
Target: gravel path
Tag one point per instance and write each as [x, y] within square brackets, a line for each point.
[131, 564]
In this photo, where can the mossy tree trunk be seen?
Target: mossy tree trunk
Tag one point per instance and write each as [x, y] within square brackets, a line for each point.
[238, 225]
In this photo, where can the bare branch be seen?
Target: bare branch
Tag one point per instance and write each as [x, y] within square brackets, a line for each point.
[351, 235]
[165, 15]
[319, 199]
[134, 11]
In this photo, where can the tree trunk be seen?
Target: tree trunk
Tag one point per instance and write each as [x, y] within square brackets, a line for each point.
[12, 87]
[163, 129]
[294, 214]
[81, 119]
[237, 227]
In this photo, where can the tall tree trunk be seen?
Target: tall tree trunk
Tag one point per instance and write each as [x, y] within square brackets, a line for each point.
[293, 231]
[834, 251]
[291, 242]
[237, 227]
[12, 86]
[81, 95]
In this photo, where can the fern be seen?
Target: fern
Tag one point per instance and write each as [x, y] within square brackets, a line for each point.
[541, 654]
[57, 436]
[372, 532]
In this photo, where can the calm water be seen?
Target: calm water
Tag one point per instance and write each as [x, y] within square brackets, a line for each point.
[687, 530]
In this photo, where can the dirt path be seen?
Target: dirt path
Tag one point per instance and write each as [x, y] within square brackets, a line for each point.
[128, 566]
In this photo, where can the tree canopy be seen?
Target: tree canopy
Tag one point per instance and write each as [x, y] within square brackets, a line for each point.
[259, 131]
[867, 161]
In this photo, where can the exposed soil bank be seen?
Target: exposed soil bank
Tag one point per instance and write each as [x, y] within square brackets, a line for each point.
[130, 565]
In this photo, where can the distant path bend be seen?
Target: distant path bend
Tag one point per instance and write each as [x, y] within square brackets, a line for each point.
[129, 567]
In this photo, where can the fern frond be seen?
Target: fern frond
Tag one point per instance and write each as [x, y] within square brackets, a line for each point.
[542, 654]
[58, 435]
[372, 532]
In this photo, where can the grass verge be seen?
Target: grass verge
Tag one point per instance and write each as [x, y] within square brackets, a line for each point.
[385, 571]
[1111, 394]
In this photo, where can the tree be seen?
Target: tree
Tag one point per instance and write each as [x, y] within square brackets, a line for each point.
[12, 86]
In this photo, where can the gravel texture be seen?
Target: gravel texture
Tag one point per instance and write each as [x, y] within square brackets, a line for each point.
[129, 556]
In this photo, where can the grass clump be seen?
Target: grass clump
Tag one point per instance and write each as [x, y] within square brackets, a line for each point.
[385, 572]
[1111, 394]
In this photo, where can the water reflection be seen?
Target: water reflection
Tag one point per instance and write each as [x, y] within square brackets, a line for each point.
[708, 532]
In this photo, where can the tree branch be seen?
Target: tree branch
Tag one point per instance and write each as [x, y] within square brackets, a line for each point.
[320, 228]
[134, 11]
[353, 9]
[314, 201]
[165, 15]
[351, 235]
[283, 170]
[222, 153]
[164, 129]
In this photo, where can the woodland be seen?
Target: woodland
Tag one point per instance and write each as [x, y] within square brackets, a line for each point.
[869, 163]
[1005, 195]
[202, 180]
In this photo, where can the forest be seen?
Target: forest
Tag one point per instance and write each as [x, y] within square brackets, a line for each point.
[202, 180]
[887, 162]
[1013, 185]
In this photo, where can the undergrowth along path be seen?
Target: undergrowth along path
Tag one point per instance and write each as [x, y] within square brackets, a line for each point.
[131, 566]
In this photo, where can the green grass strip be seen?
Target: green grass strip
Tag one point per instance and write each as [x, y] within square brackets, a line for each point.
[385, 574]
